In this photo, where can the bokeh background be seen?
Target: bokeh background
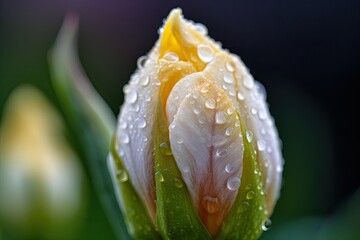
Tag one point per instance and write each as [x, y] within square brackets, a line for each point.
[305, 53]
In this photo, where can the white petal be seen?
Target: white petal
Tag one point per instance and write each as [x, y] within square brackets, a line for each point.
[207, 157]
[249, 99]
[133, 134]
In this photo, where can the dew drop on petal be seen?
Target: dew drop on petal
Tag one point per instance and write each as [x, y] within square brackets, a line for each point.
[201, 28]
[249, 136]
[230, 110]
[140, 122]
[131, 97]
[240, 96]
[261, 145]
[122, 124]
[266, 224]
[141, 62]
[233, 183]
[221, 117]
[210, 103]
[171, 56]
[230, 66]
[228, 78]
[145, 81]
[229, 131]
[262, 115]
[253, 111]
[248, 82]
[165, 148]
[232, 92]
[229, 168]
[205, 53]
[124, 138]
[221, 152]
[210, 204]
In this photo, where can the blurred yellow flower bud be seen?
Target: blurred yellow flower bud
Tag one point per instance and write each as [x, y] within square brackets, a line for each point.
[196, 104]
[40, 178]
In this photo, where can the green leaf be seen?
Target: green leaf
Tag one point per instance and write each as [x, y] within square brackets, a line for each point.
[89, 117]
[136, 216]
[247, 216]
[176, 215]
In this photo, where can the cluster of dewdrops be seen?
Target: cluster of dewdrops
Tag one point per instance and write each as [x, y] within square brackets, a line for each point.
[205, 54]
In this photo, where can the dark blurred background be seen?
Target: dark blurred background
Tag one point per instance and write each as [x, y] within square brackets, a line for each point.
[305, 53]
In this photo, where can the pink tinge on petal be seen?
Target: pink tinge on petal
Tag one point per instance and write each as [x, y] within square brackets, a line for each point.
[207, 145]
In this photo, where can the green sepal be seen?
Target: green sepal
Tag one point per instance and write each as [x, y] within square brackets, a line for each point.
[247, 215]
[89, 117]
[176, 215]
[137, 219]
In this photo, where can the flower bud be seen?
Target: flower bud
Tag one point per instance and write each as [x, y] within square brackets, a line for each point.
[196, 139]
[40, 179]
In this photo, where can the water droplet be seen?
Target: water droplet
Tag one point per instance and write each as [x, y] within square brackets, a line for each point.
[248, 82]
[196, 111]
[269, 149]
[122, 124]
[159, 176]
[204, 89]
[266, 224]
[244, 206]
[240, 96]
[165, 148]
[229, 168]
[171, 56]
[237, 123]
[126, 88]
[221, 152]
[121, 175]
[124, 138]
[147, 98]
[210, 204]
[230, 110]
[178, 182]
[157, 82]
[263, 131]
[145, 81]
[186, 168]
[180, 140]
[228, 78]
[205, 53]
[233, 183]
[249, 186]
[253, 111]
[230, 66]
[121, 152]
[221, 117]
[250, 195]
[140, 122]
[232, 92]
[261, 145]
[257, 171]
[229, 131]
[249, 136]
[201, 28]
[262, 115]
[131, 97]
[210, 103]
[141, 62]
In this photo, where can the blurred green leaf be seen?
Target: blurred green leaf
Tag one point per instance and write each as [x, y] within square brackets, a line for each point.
[89, 117]
[176, 215]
